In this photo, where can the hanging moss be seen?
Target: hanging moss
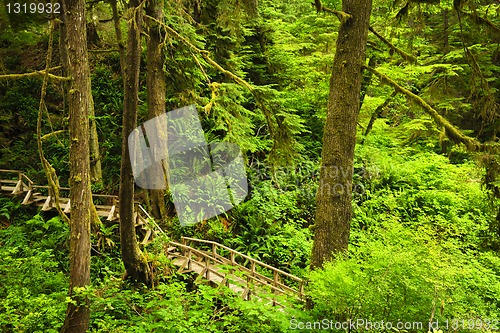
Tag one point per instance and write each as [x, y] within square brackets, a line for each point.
[453, 133]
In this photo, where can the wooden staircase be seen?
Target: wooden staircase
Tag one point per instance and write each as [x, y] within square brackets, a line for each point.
[218, 264]
[222, 265]
[32, 195]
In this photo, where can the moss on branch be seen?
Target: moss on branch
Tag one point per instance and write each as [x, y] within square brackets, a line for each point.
[342, 16]
[406, 56]
[452, 132]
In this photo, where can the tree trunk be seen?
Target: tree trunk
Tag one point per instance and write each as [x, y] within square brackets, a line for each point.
[136, 267]
[156, 86]
[95, 155]
[333, 199]
[79, 105]
[119, 38]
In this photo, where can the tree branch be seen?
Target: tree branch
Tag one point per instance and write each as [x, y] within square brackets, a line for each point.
[342, 16]
[44, 72]
[406, 56]
[376, 114]
[480, 20]
[452, 132]
[50, 172]
[234, 77]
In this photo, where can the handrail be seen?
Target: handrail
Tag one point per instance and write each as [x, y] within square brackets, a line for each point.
[233, 253]
[293, 277]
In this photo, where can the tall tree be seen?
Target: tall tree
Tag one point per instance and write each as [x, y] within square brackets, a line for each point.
[136, 266]
[74, 42]
[95, 154]
[156, 86]
[333, 199]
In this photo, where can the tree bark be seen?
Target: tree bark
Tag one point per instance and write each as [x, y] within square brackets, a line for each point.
[79, 104]
[119, 38]
[333, 199]
[156, 89]
[95, 155]
[136, 266]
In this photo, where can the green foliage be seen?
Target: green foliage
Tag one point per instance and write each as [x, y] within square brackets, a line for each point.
[423, 234]
[107, 91]
[394, 274]
[169, 308]
[33, 284]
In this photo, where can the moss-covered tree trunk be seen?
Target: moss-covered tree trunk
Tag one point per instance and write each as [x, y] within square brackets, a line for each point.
[156, 86]
[95, 154]
[136, 267]
[333, 199]
[79, 104]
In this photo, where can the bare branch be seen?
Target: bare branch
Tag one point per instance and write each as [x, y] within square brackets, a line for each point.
[46, 136]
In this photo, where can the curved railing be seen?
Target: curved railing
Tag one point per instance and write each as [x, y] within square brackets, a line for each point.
[230, 257]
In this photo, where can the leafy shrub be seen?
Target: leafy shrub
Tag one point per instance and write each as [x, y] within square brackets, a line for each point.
[33, 285]
[394, 274]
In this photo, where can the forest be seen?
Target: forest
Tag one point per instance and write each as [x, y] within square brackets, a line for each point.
[360, 182]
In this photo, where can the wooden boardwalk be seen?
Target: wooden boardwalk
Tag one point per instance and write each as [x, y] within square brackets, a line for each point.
[218, 264]
[16, 183]
[222, 265]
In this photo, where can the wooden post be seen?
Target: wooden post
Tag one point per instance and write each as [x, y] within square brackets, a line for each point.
[68, 207]
[20, 176]
[253, 268]
[112, 211]
[189, 259]
[249, 290]
[19, 187]
[207, 266]
[48, 202]
[232, 258]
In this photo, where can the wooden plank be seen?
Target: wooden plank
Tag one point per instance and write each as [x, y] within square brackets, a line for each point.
[9, 189]
[8, 181]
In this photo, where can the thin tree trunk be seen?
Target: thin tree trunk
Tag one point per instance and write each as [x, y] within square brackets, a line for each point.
[136, 266]
[156, 87]
[95, 155]
[119, 37]
[79, 104]
[333, 199]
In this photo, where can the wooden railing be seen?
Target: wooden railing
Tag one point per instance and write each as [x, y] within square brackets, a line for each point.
[24, 185]
[19, 183]
[214, 256]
